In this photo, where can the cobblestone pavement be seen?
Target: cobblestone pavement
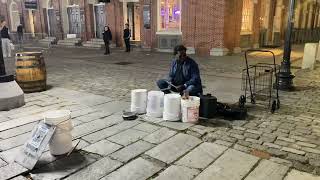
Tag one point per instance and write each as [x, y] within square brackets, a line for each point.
[284, 145]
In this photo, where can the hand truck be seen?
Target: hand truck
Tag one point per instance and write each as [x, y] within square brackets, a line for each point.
[260, 83]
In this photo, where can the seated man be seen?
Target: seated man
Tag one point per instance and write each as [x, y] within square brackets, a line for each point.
[184, 75]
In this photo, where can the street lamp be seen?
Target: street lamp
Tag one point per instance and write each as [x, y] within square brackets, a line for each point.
[285, 76]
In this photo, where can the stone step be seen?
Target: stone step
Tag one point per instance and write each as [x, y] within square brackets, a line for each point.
[90, 45]
[95, 42]
[66, 43]
[50, 38]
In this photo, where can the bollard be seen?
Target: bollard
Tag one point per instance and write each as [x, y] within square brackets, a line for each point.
[309, 57]
[318, 53]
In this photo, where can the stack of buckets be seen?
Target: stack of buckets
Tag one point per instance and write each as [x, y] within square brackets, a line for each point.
[170, 106]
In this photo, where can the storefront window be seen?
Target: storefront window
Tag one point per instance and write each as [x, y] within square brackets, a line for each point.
[146, 16]
[170, 15]
[247, 16]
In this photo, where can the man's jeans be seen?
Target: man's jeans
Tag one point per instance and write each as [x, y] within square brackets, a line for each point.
[163, 85]
[6, 49]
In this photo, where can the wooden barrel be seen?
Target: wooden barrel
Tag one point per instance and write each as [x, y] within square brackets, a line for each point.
[31, 72]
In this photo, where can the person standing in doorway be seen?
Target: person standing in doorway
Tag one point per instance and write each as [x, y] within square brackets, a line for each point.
[20, 34]
[126, 37]
[107, 37]
[6, 49]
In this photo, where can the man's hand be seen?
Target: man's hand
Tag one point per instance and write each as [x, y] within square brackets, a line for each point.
[180, 88]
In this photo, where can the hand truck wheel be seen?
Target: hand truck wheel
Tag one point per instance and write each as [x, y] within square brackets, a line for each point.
[278, 104]
[274, 106]
[242, 101]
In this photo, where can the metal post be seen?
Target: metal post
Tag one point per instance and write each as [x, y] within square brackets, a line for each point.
[285, 76]
[2, 66]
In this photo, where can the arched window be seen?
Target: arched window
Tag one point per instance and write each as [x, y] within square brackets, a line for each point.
[14, 15]
[247, 16]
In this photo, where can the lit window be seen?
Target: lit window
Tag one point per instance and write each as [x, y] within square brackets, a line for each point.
[170, 15]
[247, 16]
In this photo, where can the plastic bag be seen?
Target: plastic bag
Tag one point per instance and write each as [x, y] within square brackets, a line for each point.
[11, 46]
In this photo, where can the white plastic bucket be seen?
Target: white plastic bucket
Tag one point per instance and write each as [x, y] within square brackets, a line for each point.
[139, 101]
[155, 104]
[190, 109]
[172, 107]
[61, 142]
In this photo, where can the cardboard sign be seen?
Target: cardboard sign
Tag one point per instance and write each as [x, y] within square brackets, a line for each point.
[34, 147]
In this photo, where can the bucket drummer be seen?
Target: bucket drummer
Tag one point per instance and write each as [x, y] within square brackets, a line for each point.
[184, 75]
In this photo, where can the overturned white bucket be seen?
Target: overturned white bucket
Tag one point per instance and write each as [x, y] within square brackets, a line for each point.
[155, 104]
[61, 142]
[139, 101]
[190, 109]
[172, 107]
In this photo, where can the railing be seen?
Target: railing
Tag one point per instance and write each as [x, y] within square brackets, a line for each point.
[300, 36]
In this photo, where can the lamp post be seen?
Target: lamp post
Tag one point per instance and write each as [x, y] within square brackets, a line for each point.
[285, 76]
[2, 66]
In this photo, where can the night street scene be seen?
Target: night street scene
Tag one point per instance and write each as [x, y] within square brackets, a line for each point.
[160, 89]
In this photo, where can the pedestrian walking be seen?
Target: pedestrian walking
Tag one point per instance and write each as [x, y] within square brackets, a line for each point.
[107, 37]
[6, 41]
[20, 34]
[126, 37]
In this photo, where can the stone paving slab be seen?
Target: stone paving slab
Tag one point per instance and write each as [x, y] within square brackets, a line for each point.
[175, 147]
[202, 155]
[114, 106]
[14, 141]
[107, 132]
[78, 97]
[139, 169]
[19, 122]
[2, 163]
[63, 167]
[178, 173]
[176, 125]
[96, 125]
[127, 137]
[298, 175]
[132, 151]
[146, 127]
[232, 165]
[103, 147]
[96, 170]
[17, 131]
[11, 170]
[268, 170]
[160, 135]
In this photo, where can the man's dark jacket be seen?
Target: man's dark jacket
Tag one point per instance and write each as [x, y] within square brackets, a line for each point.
[190, 71]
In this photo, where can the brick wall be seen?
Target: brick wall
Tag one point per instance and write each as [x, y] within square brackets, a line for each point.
[233, 18]
[114, 13]
[203, 24]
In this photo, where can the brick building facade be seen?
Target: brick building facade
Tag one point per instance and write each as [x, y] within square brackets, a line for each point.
[213, 27]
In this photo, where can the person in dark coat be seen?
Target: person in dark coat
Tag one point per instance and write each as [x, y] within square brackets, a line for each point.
[107, 37]
[126, 37]
[184, 75]
[5, 38]
[20, 33]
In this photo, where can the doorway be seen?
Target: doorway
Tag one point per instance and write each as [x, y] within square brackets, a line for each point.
[52, 24]
[76, 20]
[15, 16]
[133, 19]
[100, 19]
